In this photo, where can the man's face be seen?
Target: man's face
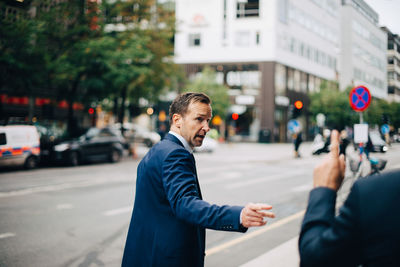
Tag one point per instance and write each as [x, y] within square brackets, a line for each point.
[194, 124]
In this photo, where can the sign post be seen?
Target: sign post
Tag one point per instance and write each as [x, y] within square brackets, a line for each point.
[360, 98]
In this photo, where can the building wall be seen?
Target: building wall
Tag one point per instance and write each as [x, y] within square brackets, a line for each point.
[363, 49]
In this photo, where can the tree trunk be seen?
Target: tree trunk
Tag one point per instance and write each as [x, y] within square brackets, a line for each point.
[121, 114]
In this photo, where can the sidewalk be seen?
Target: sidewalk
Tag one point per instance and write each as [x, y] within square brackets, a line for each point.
[285, 255]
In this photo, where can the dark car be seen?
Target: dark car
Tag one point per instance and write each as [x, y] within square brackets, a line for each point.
[95, 145]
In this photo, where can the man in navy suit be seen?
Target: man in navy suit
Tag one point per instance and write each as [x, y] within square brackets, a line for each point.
[169, 216]
[367, 230]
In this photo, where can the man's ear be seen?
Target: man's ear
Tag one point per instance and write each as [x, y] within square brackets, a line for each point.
[177, 120]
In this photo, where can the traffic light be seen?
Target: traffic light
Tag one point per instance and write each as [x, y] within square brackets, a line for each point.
[235, 116]
[298, 106]
[91, 111]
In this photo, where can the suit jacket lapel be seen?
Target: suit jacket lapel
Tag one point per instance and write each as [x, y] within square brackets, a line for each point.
[176, 140]
[195, 172]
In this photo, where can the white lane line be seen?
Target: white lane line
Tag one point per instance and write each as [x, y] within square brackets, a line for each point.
[266, 178]
[58, 187]
[6, 235]
[117, 211]
[254, 233]
[301, 188]
[64, 206]
[223, 177]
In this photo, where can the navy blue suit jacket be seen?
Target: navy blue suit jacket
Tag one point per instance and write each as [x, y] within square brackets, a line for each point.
[366, 232]
[169, 216]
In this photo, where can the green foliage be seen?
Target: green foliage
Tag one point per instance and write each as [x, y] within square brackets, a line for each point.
[63, 52]
[334, 104]
[206, 83]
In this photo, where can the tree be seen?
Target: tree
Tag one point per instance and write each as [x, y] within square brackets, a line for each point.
[21, 60]
[334, 104]
[207, 83]
[142, 65]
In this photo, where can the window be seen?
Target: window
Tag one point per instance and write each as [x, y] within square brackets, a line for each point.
[247, 8]
[194, 39]
[3, 139]
[257, 38]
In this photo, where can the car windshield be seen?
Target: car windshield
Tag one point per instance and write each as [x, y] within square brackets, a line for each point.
[91, 133]
[375, 138]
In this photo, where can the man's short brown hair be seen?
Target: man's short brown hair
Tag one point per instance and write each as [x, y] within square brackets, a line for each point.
[181, 103]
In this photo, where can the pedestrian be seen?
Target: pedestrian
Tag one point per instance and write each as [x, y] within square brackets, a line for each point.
[297, 142]
[366, 231]
[169, 216]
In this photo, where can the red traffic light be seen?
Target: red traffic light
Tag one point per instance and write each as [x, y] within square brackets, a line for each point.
[91, 111]
[298, 104]
[235, 116]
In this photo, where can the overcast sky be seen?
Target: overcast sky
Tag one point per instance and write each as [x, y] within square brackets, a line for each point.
[389, 13]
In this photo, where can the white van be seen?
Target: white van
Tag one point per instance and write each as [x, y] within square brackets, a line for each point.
[19, 145]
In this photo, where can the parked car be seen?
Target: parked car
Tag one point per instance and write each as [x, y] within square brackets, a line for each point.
[19, 145]
[378, 144]
[138, 134]
[50, 135]
[95, 145]
[209, 145]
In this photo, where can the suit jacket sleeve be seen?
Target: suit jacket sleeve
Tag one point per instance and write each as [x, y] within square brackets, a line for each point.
[326, 240]
[179, 181]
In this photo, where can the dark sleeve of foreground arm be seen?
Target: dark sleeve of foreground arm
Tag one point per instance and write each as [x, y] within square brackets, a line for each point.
[326, 240]
[180, 186]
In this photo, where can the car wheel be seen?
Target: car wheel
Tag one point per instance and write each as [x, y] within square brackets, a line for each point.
[115, 156]
[30, 163]
[74, 158]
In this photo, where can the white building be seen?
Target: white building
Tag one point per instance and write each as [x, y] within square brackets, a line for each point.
[363, 49]
[269, 52]
[393, 67]
[274, 52]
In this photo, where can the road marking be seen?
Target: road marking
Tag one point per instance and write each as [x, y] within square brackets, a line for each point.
[64, 206]
[266, 178]
[5, 235]
[302, 188]
[58, 187]
[117, 211]
[245, 237]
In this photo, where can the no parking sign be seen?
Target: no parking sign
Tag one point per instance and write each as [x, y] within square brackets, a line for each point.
[360, 98]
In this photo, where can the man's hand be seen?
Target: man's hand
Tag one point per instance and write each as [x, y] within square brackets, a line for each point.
[330, 172]
[253, 214]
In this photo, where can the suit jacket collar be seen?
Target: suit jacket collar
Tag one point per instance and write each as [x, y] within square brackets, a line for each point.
[181, 141]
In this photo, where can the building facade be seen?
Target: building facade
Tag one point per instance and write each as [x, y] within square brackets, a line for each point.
[269, 53]
[393, 65]
[363, 49]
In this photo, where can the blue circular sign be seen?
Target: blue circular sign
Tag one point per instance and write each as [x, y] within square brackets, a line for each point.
[294, 126]
[360, 98]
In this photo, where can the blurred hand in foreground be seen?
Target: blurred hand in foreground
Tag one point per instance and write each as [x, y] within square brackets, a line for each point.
[330, 172]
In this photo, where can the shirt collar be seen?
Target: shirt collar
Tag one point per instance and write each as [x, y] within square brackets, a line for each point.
[183, 141]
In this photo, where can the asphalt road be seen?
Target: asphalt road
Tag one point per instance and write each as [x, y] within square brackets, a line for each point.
[79, 216]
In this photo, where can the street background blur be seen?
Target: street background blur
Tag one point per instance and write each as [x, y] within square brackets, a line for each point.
[85, 88]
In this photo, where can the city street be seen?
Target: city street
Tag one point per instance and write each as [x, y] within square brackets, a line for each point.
[79, 216]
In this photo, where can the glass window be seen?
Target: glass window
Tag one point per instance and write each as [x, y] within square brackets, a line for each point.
[194, 39]
[290, 79]
[280, 80]
[3, 139]
[247, 8]
[297, 81]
